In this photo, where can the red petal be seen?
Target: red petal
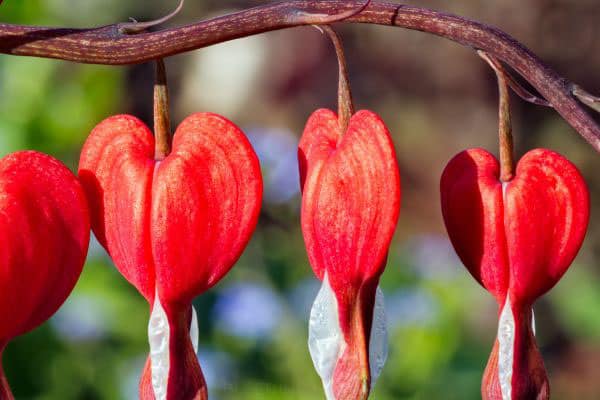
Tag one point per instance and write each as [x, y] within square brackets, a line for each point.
[539, 226]
[181, 223]
[473, 212]
[351, 196]
[115, 168]
[547, 212]
[206, 200]
[44, 236]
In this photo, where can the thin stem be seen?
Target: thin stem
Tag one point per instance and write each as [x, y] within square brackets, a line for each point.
[507, 161]
[162, 124]
[106, 45]
[520, 89]
[345, 104]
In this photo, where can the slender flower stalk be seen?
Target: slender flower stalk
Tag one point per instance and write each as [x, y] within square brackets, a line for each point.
[162, 121]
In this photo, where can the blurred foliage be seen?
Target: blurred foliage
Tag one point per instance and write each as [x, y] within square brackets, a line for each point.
[437, 98]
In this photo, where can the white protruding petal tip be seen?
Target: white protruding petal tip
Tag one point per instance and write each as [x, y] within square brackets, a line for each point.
[158, 338]
[194, 331]
[506, 344]
[326, 341]
[378, 342]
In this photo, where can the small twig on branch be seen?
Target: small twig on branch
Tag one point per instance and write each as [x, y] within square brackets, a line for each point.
[592, 102]
[326, 19]
[107, 45]
[512, 82]
[137, 27]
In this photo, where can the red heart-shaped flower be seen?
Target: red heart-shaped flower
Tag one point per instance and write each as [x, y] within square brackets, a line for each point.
[173, 227]
[517, 239]
[44, 236]
[350, 207]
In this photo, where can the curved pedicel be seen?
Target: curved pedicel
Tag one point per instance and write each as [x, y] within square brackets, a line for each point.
[350, 206]
[520, 239]
[173, 227]
[44, 237]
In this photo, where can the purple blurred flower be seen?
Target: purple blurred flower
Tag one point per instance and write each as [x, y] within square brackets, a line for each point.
[434, 257]
[248, 310]
[410, 307]
[277, 151]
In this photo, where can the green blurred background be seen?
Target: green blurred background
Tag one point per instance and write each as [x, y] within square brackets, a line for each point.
[437, 99]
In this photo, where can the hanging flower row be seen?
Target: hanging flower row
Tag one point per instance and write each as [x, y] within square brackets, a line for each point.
[175, 213]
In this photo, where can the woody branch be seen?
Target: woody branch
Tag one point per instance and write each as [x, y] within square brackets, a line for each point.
[109, 45]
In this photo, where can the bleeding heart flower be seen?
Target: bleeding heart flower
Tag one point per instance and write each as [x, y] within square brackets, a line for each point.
[174, 227]
[517, 238]
[44, 236]
[350, 207]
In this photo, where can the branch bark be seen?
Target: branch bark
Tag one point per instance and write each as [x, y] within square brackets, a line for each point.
[106, 45]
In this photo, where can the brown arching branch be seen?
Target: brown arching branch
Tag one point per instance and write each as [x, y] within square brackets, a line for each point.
[107, 45]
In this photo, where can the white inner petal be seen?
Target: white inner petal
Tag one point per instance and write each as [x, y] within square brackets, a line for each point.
[326, 341]
[532, 322]
[194, 332]
[378, 341]
[158, 337]
[506, 341]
